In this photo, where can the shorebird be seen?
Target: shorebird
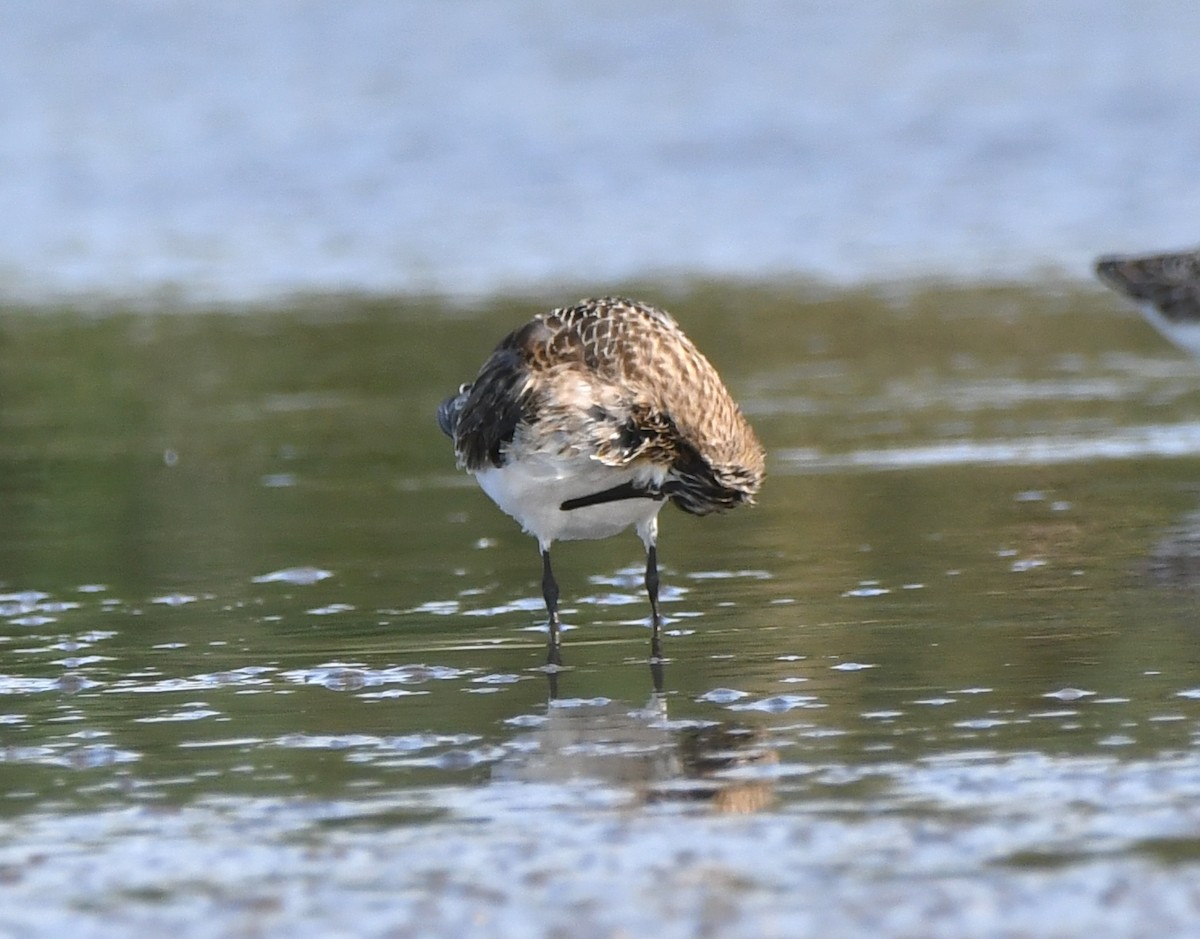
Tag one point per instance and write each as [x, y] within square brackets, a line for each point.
[1166, 287]
[585, 420]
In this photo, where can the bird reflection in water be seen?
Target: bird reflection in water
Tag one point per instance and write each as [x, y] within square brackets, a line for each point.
[640, 751]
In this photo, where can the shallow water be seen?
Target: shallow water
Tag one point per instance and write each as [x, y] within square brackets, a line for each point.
[268, 662]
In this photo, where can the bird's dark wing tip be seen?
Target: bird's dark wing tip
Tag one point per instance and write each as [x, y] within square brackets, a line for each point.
[449, 410]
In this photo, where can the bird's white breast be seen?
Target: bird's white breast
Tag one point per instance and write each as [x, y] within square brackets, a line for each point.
[532, 491]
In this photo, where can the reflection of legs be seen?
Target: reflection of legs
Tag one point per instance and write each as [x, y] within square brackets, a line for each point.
[550, 594]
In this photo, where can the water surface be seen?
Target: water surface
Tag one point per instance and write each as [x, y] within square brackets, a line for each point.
[269, 662]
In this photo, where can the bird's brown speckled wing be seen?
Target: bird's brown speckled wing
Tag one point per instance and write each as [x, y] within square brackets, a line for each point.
[616, 381]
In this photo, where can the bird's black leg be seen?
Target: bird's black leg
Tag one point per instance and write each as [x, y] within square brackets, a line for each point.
[652, 585]
[656, 656]
[652, 591]
[550, 594]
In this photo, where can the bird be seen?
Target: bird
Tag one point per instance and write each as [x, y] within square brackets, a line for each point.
[1166, 288]
[587, 419]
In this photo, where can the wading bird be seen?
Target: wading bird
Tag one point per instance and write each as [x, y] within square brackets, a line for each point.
[585, 420]
[1166, 288]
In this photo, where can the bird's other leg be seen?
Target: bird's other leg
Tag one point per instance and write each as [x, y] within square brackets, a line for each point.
[649, 536]
[648, 532]
[550, 595]
[656, 654]
[652, 586]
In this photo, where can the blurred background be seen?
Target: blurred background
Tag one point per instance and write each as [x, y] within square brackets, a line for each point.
[235, 151]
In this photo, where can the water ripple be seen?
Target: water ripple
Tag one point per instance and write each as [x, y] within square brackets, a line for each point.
[299, 576]
[1166, 441]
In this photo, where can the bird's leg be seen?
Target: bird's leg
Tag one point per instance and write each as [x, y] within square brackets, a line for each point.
[656, 655]
[550, 594]
[648, 532]
[652, 592]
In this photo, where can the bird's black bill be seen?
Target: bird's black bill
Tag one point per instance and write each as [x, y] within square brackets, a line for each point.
[615, 494]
